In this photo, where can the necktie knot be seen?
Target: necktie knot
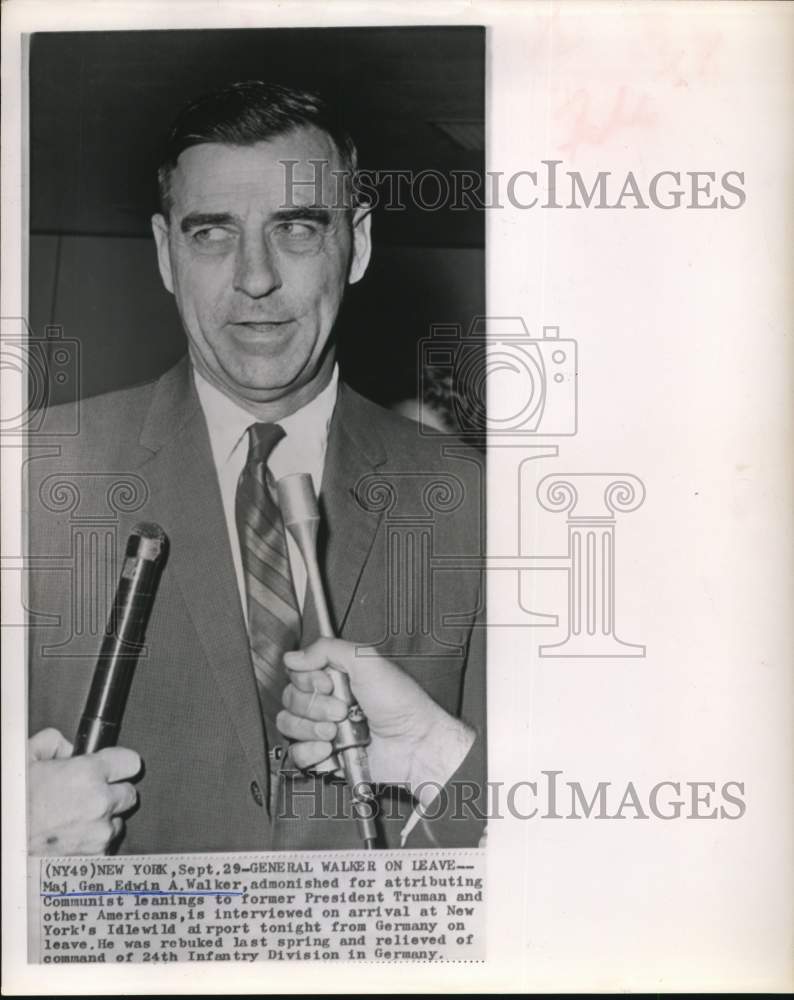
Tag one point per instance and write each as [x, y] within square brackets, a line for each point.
[262, 439]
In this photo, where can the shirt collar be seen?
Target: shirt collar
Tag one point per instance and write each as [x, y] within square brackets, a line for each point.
[228, 422]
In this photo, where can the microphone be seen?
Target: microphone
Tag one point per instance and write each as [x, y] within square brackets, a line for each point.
[301, 514]
[124, 635]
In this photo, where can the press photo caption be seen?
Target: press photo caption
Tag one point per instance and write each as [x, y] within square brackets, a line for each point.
[389, 906]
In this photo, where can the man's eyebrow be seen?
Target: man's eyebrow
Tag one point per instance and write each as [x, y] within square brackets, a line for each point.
[309, 213]
[195, 219]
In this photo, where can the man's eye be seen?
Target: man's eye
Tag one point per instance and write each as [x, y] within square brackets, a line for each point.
[298, 230]
[211, 235]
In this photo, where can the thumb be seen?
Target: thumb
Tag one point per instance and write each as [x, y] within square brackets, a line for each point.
[118, 763]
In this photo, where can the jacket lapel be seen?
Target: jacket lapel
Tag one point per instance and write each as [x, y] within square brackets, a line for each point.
[186, 497]
[347, 529]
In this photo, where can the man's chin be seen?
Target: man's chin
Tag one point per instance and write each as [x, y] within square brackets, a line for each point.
[258, 390]
[263, 381]
[268, 385]
[265, 376]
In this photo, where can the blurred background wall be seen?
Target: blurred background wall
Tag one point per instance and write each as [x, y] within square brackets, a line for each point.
[100, 105]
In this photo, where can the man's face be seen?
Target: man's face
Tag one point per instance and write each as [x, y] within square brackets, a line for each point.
[258, 285]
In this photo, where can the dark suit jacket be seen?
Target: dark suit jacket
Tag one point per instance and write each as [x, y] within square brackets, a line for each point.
[391, 499]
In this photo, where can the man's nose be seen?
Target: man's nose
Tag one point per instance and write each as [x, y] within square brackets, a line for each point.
[256, 272]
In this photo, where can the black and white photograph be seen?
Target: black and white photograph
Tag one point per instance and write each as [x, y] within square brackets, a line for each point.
[202, 235]
[396, 451]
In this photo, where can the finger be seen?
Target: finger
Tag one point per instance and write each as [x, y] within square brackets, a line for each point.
[319, 707]
[312, 680]
[122, 796]
[301, 660]
[321, 653]
[64, 750]
[118, 762]
[49, 744]
[96, 837]
[310, 754]
[296, 728]
[344, 656]
[328, 766]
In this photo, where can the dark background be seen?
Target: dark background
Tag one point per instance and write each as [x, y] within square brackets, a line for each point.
[100, 105]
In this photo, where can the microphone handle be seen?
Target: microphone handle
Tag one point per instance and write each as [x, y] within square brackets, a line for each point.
[100, 721]
[104, 707]
[352, 736]
[353, 731]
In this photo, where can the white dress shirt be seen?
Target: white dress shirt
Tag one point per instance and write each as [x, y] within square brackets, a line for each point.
[302, 449]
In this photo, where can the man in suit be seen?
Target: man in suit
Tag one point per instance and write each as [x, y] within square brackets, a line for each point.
[227, 736]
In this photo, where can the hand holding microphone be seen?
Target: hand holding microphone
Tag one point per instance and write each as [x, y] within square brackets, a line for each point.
[76, 803]
[413, 741]
[77, 794]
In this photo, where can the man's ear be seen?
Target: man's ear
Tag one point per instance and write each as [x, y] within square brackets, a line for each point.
[362, 243]
[160, 231]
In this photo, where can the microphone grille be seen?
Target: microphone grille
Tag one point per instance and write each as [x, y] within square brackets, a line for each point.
[147, 541]
[148, 529]
[297, 499]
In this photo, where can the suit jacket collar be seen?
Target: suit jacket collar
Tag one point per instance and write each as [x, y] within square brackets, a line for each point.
[348, 529]
[174, 404]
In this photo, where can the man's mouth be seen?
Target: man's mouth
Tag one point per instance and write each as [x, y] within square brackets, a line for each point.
[263, 326]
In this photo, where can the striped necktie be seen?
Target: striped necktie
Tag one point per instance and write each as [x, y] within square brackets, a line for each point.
[273, 616]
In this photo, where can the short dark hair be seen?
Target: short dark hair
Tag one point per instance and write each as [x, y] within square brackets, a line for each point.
[245, 113]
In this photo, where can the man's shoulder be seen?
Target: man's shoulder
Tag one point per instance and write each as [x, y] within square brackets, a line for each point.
[406, 443]
[97, 425]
